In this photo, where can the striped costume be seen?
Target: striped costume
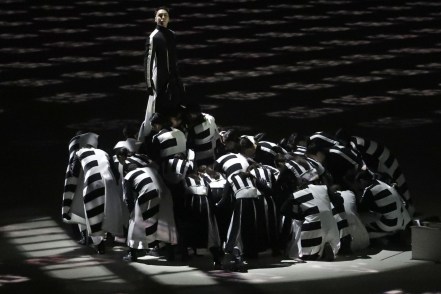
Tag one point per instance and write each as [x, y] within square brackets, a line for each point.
[103, 206]
[247, 231]
[379, 159]
[167, 143]
[71, 187]
[313, 207]
[152, 216]
[202, 139]
[216, 184]
[387, 214]
[174, 170]
[230, 164]
[272, 216]
[359, 234]
[201, 230]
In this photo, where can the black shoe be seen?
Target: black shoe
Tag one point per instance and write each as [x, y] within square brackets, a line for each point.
[233, 263]
[153, 252]
[101, 248]
[216, 252]
[328, 253]
[131, 256]
[169, 252]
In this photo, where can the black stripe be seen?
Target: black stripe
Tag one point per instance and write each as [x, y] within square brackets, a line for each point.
[96, 227]
[378, 151]
[388, 208]
[95, 211]
[86, 154]
[152, 229]
[226, 158]
[389, 161]
[135, 174]
[147, 197]
[236, 182]
[203, 147]
[89, 165]
[203, 134]
[312, 226]
[144, 182]
[233, 168]
[172, 142]
[93, 178]
[389, 222]
[342, 224]
[382, 194]
[311, 211]
[305, 198]
[92, 195]
[338, 209]
[311, 242]
[151, 212]
[70, 188]
[67, 202]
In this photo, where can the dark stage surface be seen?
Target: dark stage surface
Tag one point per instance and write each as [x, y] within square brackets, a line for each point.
[372, 67]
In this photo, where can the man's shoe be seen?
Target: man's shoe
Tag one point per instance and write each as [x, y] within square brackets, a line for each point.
[131, 256]
[328, 253]
[101, 248]
[153, 252]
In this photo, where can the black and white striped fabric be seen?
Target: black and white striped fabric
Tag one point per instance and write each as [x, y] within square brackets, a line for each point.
[266, 152]
[152, 218]
[378, 158]
[202, 229]
[174, 170]
[389, 212]
[216, 185]
[71, 178]
[359, 235]
[231, 163]
[170, 141]
[313, 206]
[272, 215]
[300, 150]
[100, 193]
[340, 216]
[141, 187]
[321, 140]
[140, 160]
[304, 174]
[204, 138]
[243, 186]
[247, 231]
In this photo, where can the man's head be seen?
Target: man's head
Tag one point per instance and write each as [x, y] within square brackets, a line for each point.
[162, 16]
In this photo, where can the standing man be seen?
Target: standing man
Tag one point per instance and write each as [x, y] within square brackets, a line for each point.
[164, 86]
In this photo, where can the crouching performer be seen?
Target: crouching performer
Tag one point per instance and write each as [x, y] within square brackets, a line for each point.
[150, 204]
[91, 197]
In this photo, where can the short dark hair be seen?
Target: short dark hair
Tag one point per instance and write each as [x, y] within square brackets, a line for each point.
[162, 7]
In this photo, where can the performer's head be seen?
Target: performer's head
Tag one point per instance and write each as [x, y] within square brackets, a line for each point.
[162, 16]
